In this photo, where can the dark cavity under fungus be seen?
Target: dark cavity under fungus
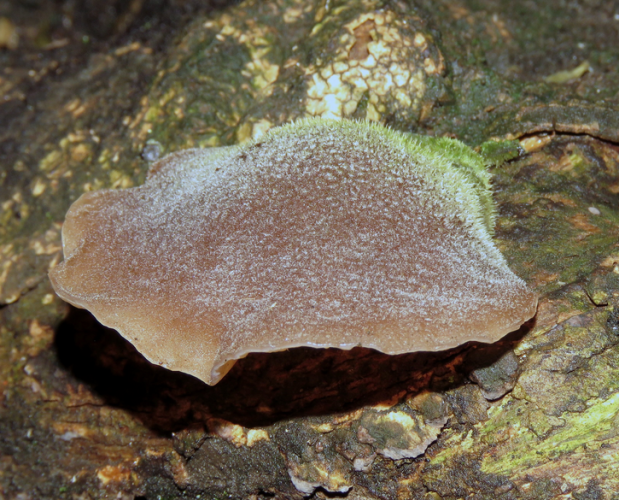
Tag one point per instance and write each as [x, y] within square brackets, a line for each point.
[323, 234]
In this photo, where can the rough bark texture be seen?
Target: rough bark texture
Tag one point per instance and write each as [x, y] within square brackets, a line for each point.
[83, 415]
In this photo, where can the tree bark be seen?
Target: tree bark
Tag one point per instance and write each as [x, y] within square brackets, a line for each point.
[84, 415]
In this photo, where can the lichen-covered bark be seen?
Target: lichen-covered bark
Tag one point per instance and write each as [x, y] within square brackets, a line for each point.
[83, 415]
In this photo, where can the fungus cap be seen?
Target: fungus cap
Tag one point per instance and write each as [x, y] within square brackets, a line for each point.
[321, 234]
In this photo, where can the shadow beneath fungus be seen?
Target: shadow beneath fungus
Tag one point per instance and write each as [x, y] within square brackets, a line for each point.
[262, 388]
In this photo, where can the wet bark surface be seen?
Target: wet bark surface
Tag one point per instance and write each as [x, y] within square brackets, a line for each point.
[90, 95]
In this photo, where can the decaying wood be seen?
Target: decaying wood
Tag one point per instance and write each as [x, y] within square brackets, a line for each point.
[83, 415]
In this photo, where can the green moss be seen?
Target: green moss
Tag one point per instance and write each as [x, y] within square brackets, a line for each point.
[498, 152]
[470, 163]
[545, 202]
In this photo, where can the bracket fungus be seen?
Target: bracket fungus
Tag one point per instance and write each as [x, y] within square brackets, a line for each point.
[322, 234]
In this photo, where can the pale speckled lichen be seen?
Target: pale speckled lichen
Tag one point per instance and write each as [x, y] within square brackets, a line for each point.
[339, 60]
[397, 434]
[377, 58]
[340, 446]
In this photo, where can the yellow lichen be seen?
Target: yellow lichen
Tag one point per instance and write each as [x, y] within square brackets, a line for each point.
[256, 39]
[256, 435]
[51, 160]
[232, 433]
[38, 187]
[118, 179]
[47, 299]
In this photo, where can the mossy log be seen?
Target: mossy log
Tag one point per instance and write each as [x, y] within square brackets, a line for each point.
[534, 416]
